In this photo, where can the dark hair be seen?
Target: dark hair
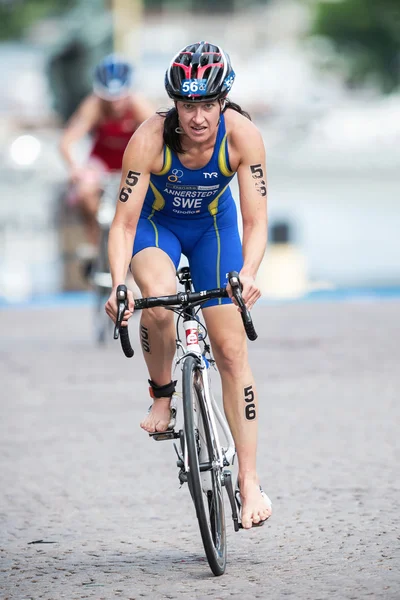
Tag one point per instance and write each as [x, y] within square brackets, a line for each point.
[174, 140]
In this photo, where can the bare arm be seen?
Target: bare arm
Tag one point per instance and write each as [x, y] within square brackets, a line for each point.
[82, 121]
[133, 187]
[140, 157]
[253, 205]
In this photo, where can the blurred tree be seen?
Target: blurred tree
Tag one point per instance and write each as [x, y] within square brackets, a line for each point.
[68, 77]
[205, 6]
[85, 36]
[368, 33]
[17, 15]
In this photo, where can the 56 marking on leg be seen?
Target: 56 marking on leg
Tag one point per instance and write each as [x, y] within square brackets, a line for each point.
[131, 180]
[250, 407]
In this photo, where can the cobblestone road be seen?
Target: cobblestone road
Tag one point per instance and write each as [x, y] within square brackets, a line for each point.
[77, 472]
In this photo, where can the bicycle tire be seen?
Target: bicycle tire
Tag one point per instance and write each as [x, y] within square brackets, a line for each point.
[210, 516]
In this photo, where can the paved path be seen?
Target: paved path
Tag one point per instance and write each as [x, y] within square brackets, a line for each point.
[78, 473]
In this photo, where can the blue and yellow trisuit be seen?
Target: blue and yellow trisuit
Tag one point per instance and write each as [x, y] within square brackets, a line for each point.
[192, 211]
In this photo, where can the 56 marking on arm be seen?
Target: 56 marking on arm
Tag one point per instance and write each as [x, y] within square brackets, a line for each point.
[131, 180]
[258, 175]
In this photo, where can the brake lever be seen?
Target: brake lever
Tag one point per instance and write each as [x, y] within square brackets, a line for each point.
[245, 313]
[122, 299]
[237, 287]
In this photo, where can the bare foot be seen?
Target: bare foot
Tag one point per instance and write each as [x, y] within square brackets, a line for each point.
[255, 506]
[159, 416]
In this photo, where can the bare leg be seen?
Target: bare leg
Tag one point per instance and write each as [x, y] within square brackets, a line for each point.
[240, 403]
[154, 274]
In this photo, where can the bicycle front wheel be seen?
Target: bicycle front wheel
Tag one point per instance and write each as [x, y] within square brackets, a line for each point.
[204, 472]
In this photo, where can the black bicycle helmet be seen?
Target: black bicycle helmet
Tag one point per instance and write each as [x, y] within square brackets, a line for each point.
[199, 72]
[112, 78]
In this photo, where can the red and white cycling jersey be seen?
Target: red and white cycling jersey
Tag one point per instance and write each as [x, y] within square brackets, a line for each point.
[110, 139]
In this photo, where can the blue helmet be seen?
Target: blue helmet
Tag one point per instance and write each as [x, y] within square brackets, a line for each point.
[112, 78]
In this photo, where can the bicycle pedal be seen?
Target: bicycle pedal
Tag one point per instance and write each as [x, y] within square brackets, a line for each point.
[160, 436]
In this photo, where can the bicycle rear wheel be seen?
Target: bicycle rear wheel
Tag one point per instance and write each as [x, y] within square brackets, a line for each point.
[204, 472]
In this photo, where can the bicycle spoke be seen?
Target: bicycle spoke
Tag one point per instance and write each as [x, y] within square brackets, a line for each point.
[205, 486]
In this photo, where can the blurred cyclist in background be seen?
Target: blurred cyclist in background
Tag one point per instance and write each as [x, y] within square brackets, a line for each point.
[111, 114]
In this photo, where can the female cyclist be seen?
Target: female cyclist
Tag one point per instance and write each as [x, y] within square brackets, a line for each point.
[111, 114]
[175, 198]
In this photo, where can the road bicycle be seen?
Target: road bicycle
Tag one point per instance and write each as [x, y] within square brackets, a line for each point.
[204, 463]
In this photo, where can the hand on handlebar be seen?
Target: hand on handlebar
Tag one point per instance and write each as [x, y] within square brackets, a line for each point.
[250, 291]
[111, 307]
[121, 302]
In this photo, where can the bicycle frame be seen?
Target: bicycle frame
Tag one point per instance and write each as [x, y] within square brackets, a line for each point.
[187, 301]
[225, 455]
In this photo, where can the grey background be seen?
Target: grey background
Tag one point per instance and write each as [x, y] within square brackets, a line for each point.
[77, 470]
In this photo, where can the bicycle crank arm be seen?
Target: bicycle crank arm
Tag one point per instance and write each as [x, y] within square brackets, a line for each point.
[229, 490]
